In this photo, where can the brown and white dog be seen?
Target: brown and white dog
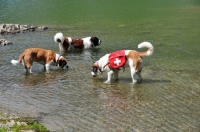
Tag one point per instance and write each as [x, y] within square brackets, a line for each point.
[42, 56]
[66, 43]
[132, 58]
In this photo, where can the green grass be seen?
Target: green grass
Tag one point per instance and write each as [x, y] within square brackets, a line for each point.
[31, 125]
[3, 129]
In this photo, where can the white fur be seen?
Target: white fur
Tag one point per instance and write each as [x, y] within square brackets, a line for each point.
[14, 62]
[57, 57]
[61, 38]
[87, 43]
[70, 43]
[147, 45]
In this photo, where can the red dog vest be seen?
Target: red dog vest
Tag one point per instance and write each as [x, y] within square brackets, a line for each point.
[117, 59]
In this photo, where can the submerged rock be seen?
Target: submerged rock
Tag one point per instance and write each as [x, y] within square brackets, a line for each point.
[4, 42]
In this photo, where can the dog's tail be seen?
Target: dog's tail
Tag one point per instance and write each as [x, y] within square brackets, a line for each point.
[15, 62]
[59, 38]
[147, 45]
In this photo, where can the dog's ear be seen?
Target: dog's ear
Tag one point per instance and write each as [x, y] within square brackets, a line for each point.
[62, 63]
[95, 69]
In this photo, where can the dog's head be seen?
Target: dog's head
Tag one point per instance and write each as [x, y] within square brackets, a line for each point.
[96, 41]
[95, 69]
[62, 63]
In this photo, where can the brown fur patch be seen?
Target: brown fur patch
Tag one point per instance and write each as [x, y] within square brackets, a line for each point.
[36, 55]
[136, 58]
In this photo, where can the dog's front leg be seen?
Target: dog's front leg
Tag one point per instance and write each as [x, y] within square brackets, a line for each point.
[109, 76]
[47, 67]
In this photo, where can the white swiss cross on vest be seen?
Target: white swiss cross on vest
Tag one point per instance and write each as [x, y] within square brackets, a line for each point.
[117, 61]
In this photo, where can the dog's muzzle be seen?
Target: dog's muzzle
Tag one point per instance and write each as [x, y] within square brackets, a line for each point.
[66, 67]
[99, 42]
[93, 74]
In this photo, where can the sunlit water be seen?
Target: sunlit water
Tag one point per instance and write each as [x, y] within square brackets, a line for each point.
[166, 100]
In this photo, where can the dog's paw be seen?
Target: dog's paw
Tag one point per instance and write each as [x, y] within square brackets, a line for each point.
[46, 72]
[139, 80]
[108, 82]
[134, 81]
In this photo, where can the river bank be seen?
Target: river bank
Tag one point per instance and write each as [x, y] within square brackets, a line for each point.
[11, 121]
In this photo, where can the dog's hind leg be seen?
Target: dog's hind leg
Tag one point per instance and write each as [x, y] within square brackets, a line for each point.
[133, 73]
[139, 70]
[116, 75]
[28, 63]
[139, 76]
[133, 70]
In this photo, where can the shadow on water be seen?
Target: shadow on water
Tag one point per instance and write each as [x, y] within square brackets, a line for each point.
[155, 81]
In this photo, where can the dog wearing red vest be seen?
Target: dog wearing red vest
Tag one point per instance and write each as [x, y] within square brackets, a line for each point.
[114, 61]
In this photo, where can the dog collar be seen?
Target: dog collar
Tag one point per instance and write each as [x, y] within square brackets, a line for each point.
[58, 60]
[103, 66]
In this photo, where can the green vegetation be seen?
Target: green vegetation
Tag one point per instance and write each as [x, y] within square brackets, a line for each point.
[23, 124]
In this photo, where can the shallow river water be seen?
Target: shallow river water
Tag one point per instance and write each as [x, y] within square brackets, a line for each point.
[168, 99]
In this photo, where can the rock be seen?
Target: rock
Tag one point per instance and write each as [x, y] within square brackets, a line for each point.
[17, 28]
[43, 28]
[11, 123]
[2, 28]
[5, 42]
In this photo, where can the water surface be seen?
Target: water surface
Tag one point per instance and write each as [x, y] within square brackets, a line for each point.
[167, 99]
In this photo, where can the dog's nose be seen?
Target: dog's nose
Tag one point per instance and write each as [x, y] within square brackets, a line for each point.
[65, 67]
[100, 41]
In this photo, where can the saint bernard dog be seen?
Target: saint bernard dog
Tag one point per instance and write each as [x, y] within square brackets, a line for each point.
[42, 56]
[114, 61]
[67, 43]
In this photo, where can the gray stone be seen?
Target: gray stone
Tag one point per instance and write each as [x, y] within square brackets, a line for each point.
[5, 42]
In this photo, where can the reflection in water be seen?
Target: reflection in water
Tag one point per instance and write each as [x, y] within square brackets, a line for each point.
[116, 95]
[39, 78]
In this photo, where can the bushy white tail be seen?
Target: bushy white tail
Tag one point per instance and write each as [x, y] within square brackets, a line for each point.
[59, 38]
[147, 45]
[15, 62]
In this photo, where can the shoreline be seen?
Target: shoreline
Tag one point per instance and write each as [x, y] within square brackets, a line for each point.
[10, 120]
